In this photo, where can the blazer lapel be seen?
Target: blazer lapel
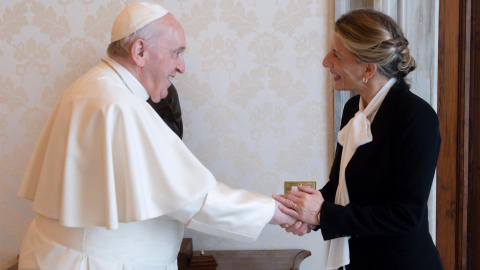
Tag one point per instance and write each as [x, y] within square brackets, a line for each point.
[381, 124]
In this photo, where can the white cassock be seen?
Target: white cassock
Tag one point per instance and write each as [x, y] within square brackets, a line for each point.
[113, 186]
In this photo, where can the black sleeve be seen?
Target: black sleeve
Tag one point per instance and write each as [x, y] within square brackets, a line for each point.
[169, 110]
[329, 190]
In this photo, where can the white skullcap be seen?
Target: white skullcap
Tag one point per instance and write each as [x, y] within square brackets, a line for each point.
[135, 16]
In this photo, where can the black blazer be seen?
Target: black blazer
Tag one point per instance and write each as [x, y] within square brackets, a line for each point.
[169, 110]
[388, 181]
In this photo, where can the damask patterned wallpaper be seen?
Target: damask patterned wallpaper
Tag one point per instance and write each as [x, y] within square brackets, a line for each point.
[257, 103]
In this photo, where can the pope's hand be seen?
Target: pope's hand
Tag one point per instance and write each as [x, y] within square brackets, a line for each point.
[298, 228]
[280, 218]
[304, 204]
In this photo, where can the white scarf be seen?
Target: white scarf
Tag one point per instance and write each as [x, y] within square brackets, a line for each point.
[354, 134]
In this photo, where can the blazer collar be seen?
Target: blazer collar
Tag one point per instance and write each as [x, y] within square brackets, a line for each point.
[380, 125]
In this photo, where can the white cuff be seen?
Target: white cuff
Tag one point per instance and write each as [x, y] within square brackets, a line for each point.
[233, 213]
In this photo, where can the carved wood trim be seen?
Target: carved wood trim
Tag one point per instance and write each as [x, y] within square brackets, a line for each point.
[458, 170]
[473, 234]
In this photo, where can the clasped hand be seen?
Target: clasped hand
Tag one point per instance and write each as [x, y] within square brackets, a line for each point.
[304, 205]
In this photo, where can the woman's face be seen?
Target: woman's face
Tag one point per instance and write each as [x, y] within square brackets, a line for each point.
[347, 72]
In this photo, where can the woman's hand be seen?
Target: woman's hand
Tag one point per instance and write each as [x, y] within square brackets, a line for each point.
[304, 204]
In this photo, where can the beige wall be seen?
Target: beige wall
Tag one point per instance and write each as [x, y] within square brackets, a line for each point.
[257, 109]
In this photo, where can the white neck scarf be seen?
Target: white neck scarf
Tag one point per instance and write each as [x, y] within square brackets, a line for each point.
[354, 134]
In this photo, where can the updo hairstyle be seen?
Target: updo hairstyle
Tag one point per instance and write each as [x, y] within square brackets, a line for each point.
[375, 38]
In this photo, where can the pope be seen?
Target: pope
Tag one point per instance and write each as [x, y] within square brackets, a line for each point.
[112, 186]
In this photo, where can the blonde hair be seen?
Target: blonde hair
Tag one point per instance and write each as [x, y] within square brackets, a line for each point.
[373, 37]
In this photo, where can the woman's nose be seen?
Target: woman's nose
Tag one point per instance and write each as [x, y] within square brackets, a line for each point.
[326, 61]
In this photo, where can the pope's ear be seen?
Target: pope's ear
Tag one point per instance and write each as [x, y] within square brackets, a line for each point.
[137, 52]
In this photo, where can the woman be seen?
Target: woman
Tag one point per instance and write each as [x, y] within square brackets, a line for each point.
[374, 208]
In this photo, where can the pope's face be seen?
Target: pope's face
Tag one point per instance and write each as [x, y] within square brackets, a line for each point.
[165, 59]
[347, 72]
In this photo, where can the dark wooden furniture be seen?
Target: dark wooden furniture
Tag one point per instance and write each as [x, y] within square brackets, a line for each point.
[287, 259]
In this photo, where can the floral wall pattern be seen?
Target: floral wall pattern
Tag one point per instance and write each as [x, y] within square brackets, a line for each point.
[256, 101]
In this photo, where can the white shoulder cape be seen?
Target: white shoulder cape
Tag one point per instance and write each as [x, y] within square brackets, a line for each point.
[105, 156]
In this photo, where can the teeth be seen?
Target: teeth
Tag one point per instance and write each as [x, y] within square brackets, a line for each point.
[336, 76]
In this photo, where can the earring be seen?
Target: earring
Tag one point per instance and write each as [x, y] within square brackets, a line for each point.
[365, 80]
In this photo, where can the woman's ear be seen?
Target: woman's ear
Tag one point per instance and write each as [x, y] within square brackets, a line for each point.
[137, 52]
[370, 70]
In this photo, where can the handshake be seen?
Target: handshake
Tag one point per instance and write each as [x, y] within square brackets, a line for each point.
[298, 211]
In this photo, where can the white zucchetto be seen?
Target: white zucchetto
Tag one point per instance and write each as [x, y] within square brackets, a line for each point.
[135, 16]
